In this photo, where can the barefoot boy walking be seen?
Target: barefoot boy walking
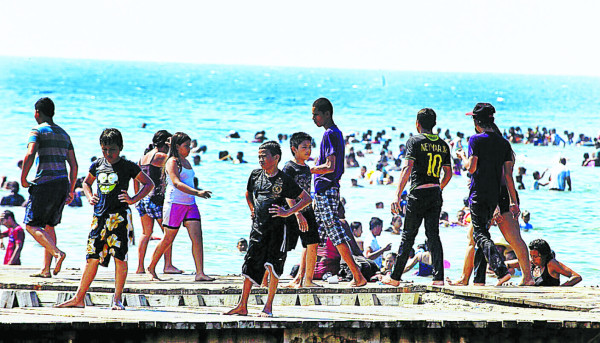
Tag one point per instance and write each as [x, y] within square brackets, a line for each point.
[266, 194]
[51, 189]
[112, 228]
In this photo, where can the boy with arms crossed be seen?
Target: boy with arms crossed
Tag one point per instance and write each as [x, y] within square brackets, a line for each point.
[304, 223]
[266, 194]
[426, 156]
[112, 228]
[51, 189]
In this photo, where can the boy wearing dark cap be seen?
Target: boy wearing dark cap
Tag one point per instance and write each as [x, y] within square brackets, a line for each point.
[490, 159]
[426, 156]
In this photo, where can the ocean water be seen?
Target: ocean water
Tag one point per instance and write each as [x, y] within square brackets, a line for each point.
[207, 101]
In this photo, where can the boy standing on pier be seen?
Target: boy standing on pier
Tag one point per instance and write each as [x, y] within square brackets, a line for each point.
[112, 227]
[266, 194]
[426, 156]
[328, 172]
[52, 188]
[304, 223]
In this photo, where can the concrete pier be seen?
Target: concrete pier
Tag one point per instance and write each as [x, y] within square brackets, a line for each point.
[181, 310]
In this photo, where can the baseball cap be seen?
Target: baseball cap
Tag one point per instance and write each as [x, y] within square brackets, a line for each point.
[483, 110]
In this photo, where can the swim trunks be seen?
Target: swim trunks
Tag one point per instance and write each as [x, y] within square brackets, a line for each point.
[111, 235]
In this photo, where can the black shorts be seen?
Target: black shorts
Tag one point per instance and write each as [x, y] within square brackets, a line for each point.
[504, 200]
[266, 248]
[293, 230]
[46, 203]
[111, 235]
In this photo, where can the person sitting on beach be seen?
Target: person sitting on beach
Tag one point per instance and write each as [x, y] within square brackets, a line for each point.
[389, 259]
[14, 199]
[537, 180]
[526, 226]
[396, 228]
[423, 257]
[16, 237]
[356, 233]
[242, 245]
[373, 251]
[560, 176]
[112, 227]
[266, 194]
[444, 219]
[546, 268]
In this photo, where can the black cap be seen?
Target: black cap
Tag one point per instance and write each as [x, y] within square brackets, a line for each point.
[483, 110]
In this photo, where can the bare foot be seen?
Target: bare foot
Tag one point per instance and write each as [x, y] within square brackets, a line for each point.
[153, 275]
[438, 283]
[389, 281]
[311, 284]
[238, 311]
[203, 277]
[295, 283]
[358, 283]
[118, 306]
[503, 279]
[528, 282]
[140, 270]
[73, 302]
[45, 275]
[59, 261]
[459, 282]
[478, 284]
[265, 314]
[172, 270]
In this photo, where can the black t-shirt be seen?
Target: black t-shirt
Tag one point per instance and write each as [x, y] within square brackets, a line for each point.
[268, 191]
[301, 175]
[112, 179]
[429, 153]
[492, 151]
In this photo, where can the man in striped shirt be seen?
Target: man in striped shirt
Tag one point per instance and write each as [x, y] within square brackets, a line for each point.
[52, 186]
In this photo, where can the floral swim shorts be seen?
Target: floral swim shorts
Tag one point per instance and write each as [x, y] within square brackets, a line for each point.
[111, 235]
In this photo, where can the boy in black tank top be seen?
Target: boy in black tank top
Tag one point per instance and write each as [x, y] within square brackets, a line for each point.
[427, 155]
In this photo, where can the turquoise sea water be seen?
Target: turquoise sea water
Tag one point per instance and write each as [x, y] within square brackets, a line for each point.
[207, 101]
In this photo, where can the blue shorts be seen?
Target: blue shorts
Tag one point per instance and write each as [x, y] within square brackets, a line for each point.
[46, 203]
[148, 208]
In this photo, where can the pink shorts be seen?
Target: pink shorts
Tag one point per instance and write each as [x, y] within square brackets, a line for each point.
[175, 214]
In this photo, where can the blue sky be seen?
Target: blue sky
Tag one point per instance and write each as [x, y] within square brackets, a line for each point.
[532, 37]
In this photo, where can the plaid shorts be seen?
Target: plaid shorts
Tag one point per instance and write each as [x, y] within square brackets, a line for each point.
[326, 210]
[147, 207]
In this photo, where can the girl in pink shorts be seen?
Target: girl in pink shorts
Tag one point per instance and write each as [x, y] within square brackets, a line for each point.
[180, 205]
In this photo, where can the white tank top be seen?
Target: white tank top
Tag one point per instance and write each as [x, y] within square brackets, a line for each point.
[174, 195]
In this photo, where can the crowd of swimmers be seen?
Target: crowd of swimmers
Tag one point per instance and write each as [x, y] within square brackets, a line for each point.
[282, 210]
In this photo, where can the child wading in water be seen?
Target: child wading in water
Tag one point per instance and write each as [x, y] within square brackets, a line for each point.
[112, 227]
[266, 194]
[180, 205]
[304, 222]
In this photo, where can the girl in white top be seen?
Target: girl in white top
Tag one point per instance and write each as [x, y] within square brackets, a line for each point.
[180, 205]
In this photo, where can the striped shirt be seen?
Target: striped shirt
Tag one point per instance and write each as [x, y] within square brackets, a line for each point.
[53, 145]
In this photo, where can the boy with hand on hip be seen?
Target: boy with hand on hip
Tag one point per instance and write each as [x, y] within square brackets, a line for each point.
[266, 194]
[112, 228]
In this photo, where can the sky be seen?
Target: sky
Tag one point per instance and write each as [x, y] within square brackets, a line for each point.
[517, 37]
